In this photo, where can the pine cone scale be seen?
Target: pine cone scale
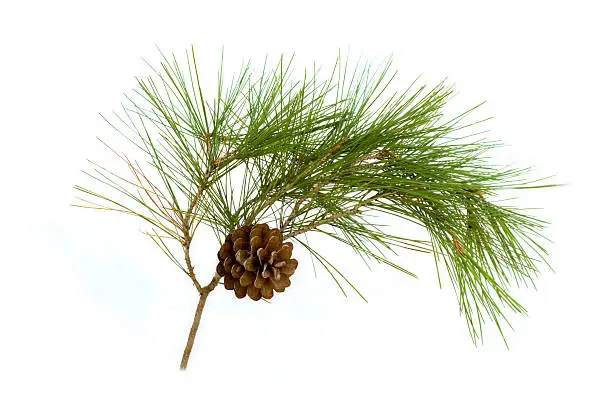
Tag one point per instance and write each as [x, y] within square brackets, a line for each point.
[247, 278]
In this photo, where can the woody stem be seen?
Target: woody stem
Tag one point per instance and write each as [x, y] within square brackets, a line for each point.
[188, 219]
[196, 319]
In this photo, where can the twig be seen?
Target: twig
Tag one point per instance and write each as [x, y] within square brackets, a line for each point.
[189, 214]
[304, 173]
[188, 219]
[187, 237]
[296, 208]
[378, 156]
[197, 317]
[353, 210]
[383, 154]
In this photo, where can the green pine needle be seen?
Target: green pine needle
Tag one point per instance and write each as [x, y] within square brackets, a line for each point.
[316, 154]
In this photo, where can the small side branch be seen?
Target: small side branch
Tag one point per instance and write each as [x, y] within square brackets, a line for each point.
[190, 213]
[327, 220]
[299, 203]
[381, 155]
[293, 179]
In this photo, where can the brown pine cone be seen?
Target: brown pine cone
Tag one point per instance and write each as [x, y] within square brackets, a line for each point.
[255, 261]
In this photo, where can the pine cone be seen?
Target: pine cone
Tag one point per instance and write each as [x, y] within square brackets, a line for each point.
[255, 261]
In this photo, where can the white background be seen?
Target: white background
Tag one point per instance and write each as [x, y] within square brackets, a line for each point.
[91, 315]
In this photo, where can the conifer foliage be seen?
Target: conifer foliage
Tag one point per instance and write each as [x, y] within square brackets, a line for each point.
[272, 157]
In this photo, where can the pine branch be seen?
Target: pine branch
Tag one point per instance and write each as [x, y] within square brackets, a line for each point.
[314, 152]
